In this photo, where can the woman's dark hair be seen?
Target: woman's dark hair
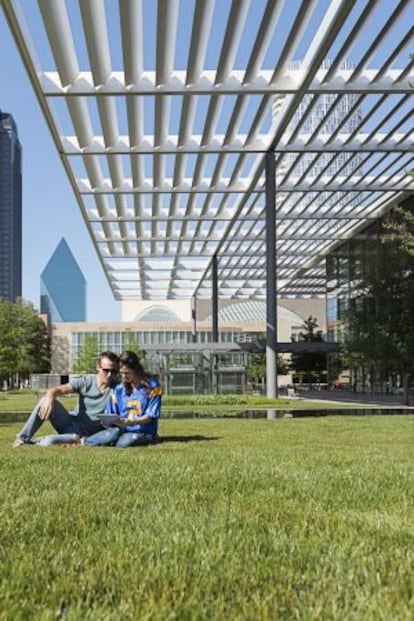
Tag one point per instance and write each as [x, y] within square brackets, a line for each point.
[130, 359]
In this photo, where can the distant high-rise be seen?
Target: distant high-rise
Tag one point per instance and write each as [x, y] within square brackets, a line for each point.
[10, 209]
[63, 287]
[328, 114]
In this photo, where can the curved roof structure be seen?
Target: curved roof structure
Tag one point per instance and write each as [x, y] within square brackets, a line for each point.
[159, 314]
[162, 113]
[254, 310]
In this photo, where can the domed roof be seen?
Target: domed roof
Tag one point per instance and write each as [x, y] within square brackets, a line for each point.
[255, 311]
[156, 314]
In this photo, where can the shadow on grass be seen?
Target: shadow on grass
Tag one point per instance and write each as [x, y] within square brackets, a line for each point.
[195, 438]
[13, 417]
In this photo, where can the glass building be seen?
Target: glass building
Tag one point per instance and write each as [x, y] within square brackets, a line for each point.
[63, 287]
[10, 209]
[326, 114]
[346, 266]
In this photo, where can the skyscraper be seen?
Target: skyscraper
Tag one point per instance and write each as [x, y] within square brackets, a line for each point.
[63, 287]
[328, 114]
[10, 209]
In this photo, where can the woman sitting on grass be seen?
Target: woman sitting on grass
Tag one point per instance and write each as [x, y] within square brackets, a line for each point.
[137, 402]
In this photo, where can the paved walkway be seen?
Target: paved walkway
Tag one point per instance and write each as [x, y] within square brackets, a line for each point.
[343, 396]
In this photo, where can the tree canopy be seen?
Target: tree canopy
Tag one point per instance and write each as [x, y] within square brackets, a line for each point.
[309, 366]
[90, 349]
[87, 357]
[380, 329]
[24, 341]
[131, 344]
[256, 370]
[399, 228]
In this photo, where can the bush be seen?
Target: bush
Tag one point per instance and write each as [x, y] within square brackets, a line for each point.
[218, 400]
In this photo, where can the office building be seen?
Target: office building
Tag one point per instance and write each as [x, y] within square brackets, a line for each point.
[63, 287]
[179, 351]
[10, 209]
[326, 115]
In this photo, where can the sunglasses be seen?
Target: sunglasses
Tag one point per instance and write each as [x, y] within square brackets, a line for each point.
[108, 371]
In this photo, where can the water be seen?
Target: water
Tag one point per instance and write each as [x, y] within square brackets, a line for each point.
[270, 414]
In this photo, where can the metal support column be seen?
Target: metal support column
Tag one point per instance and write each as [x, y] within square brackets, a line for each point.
[194, 318]
[271, 301]
[197, 365]
[166, 365]
[215, 335]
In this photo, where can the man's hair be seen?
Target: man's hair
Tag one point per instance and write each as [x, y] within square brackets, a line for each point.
[130, 359]
[110, 355]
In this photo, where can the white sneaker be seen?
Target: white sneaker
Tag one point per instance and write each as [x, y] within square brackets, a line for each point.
[21, 442]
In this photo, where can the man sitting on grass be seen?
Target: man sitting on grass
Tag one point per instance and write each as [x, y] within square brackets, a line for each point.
[93, 393]
[137, 403]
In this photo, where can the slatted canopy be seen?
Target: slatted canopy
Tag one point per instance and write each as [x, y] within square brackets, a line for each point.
[163, 112]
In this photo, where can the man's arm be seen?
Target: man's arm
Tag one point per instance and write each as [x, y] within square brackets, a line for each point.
[49, 399]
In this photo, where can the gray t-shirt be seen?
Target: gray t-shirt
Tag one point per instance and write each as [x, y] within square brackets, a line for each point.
[92, 400]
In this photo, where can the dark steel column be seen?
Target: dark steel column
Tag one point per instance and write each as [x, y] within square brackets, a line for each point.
[214, 278]
[194, 318]
[197, 379]
[271, 301]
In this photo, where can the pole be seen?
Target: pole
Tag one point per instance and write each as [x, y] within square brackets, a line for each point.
[214, 275]
[271, 301]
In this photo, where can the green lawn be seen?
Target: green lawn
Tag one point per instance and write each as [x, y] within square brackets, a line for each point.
[224, 519]
[24, 401]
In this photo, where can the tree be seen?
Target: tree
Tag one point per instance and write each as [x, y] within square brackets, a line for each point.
[24, 341]
[87, 355]
[310, 366]
[380, 330]
[8, 338]
[257, 364]
[131, 344]
[399, 228]
[336, 363]
[34, 350]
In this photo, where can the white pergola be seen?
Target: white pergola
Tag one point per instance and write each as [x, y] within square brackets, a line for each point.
[164, 114]
[223, 148]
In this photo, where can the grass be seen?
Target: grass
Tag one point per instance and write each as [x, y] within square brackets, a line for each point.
[244, 520]
[24, 401]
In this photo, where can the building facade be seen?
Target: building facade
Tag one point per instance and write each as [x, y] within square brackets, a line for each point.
[63, 287]
[183, 354]
[10, 209]
[325, 114]
[346, 267]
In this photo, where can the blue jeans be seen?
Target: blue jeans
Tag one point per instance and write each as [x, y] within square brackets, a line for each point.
[113, 436]
[61, 420]
[107, 437]
[132, 438]
[57, 439]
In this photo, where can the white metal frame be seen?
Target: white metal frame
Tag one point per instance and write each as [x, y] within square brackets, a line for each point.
[167, 163]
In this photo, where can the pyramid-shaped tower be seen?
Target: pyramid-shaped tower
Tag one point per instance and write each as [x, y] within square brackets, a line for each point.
[63, 287]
